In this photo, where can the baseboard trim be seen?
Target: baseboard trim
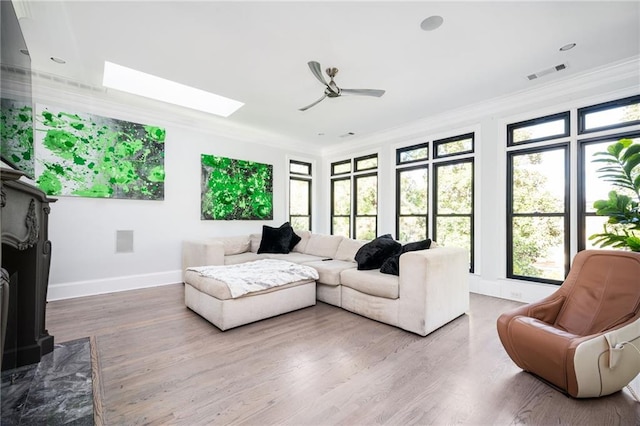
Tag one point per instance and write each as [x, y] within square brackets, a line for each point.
[111, 285]
[520, 291]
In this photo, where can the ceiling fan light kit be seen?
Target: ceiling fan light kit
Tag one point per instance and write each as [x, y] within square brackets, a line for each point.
[331, 88]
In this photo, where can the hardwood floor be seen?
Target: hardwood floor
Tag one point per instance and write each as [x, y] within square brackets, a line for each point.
[163, 364]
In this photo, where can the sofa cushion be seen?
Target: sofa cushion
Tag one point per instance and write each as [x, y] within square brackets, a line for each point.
[323, 245]
[371, 282]
[255, 240]
[276, 240]
[304, 239]
[347, 249]
[234, 259]
[292, 257]
[392, 264]
[373, 254]
[329, 270]
[235, 245]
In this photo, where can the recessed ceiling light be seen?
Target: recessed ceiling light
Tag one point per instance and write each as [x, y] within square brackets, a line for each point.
[24, 52]
[58, 60]
[150, 86]
[567, 47]
[432, 23]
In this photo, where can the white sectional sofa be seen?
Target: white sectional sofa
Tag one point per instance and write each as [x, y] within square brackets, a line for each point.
[431, 290]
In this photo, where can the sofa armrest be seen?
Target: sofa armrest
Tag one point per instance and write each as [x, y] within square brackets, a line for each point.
[202, 253]
[434, 288]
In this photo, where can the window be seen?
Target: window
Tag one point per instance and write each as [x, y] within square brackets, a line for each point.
[412, 203]
[592, 187]
[300, 181]
[609, 115]
[453, 146]
[538, 214]
[453, 207]
[354, 213]
[411, 154]
[539, 129]
[451, 192]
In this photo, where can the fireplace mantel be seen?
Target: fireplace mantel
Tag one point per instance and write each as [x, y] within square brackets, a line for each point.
[26, 257]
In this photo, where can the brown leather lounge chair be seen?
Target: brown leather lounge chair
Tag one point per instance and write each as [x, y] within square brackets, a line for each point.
[585, 338]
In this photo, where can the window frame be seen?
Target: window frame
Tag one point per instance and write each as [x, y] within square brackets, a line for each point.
[437, 143]
[399, 170]
[581, 187]
[540, 120]
[308, 178]
[365, 157]
[402, 150]
[339, 163]
[582, 112]
[471, 215]
[352, 176]
[355, 202]
[333, 215]
[565, 146]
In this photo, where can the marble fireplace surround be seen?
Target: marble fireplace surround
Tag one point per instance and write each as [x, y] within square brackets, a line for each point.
[63, 388]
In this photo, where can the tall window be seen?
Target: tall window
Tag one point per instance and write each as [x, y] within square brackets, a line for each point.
[616, 114]
[538, 199]
[594, 188]
[354, 197]
[300, 181]
[452, 165]
[412, 193]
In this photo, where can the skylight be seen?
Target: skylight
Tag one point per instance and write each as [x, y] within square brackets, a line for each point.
[150, 86]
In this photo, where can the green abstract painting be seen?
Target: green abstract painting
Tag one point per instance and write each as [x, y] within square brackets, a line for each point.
[16, 134]
[236, 189]
[88, 155]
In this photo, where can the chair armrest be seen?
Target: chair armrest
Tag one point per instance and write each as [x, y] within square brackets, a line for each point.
[202, 253]
[434, 288]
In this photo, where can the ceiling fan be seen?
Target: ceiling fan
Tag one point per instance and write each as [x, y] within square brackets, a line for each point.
[332, 90]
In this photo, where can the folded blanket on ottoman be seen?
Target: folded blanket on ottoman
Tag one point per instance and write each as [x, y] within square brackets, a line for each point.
[258, 275]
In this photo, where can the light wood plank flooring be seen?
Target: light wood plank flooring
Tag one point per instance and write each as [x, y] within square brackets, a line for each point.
[163, 364]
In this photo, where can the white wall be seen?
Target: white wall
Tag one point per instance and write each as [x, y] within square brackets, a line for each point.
[82, 230]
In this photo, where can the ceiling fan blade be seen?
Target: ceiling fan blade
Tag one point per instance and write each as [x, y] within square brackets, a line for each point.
[317, 71]
[313, 104]
[364, 92]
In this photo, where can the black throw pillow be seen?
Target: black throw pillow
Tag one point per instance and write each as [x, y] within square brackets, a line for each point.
[295, 238]
[392, 265]
[373, 254]
[418, 245]
[276, 240]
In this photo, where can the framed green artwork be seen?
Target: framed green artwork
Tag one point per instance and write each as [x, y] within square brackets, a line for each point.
[235, 189]
[16, 134]
[87, 155]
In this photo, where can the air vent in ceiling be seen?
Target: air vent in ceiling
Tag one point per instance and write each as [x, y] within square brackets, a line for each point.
[547, 71]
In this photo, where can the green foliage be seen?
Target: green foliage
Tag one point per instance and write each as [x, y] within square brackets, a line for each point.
[236, 189]
[621, 168]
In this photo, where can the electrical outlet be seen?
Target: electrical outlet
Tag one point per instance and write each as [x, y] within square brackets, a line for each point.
[516, 295]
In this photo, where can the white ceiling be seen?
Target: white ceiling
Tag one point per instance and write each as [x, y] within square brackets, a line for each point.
[257, 52]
